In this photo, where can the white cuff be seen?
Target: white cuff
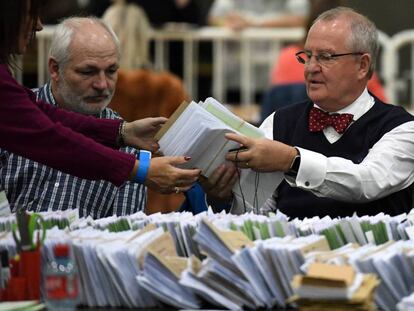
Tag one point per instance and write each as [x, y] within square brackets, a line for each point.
[312, 169]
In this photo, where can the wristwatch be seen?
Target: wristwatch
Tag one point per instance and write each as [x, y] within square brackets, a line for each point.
[294, 167]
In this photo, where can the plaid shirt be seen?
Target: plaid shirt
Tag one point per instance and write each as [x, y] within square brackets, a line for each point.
[39, 188]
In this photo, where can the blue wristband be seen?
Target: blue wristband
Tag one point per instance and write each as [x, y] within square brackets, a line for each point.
[144, 164]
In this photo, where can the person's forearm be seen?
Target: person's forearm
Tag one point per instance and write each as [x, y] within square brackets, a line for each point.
[28, 130]
[104, 131]
[388, 167]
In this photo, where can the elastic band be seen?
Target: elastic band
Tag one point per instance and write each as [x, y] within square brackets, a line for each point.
[144, 164]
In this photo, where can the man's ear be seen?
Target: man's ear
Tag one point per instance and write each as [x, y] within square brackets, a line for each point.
[365, 65]
[53, 69]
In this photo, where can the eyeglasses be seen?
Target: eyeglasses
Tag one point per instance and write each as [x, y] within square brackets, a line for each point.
[323, 59]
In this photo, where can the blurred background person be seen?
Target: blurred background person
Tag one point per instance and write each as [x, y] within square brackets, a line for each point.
[132, 27]
[240, 14]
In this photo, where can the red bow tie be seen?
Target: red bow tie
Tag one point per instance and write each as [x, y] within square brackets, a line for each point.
[318, 120]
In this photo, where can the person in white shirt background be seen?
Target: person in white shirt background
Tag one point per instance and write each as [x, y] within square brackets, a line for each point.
[238, 15]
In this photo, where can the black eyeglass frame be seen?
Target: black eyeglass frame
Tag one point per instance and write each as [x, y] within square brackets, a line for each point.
[331, 56]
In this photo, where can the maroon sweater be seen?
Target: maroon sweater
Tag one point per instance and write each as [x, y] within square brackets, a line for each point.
[64, 140]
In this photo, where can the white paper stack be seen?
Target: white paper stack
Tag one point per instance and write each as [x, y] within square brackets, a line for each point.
[197, 131]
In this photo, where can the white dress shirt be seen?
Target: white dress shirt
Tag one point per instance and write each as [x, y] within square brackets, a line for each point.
[387, 168]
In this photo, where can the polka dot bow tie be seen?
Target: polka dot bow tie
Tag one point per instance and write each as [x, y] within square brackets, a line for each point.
[318, 120]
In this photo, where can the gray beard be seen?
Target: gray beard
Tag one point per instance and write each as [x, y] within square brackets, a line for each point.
[75, 102]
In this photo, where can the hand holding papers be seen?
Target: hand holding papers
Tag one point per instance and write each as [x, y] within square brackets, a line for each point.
[262, 154]
[197, 131]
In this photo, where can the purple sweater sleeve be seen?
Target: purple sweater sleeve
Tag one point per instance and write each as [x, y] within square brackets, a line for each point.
[63, 140]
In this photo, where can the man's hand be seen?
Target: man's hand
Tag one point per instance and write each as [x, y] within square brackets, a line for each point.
[262, 154]
[140, 133]
[163, 175]
[219, 185]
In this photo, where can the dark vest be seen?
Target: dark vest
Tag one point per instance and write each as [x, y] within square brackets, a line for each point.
[291, 127]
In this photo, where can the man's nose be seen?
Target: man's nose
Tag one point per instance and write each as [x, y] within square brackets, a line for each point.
[312, 65]
[101, 82]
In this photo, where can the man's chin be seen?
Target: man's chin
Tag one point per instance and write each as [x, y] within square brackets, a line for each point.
[91, 109]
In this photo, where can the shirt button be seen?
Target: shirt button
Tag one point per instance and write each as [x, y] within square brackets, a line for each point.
[57, 184]
[307, 184]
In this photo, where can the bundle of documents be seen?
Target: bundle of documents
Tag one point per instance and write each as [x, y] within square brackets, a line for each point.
[197, 130]
[406, 304]
[260, 272]
[162, 269]
[391, 262]
[363, 230]
[32, 305]
[4, 204]
[332, 287]
[228, 261]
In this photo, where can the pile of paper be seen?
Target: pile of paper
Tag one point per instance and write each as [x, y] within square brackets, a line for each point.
[197, 131]
[162, 269]
[4, 205]
[332, 287]
[31, 305]
[391, 262]
[222, 260]
[259, 274]
[406, 304]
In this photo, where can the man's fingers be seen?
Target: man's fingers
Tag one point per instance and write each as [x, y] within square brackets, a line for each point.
[229, 173]
[216, 176]
[243, 140]
[177, 160]
[233, 180]
[187, 175]
[239, 157]
[158, 121]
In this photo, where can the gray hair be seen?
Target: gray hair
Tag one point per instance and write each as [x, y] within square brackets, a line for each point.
[364, 33]
[63, 35]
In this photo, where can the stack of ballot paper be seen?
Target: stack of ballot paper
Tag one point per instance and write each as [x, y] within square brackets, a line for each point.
[197, 130]
[391, 262]
[161, 274]
[331, 287]
[4, 204]
[31, 305]
[230, 261]
[406, 304]
[260, 272]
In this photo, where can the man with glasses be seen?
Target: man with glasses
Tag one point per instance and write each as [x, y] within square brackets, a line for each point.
[344, 151]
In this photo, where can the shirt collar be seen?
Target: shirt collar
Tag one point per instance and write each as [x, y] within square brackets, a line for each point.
[359, 107]
[49, 94]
